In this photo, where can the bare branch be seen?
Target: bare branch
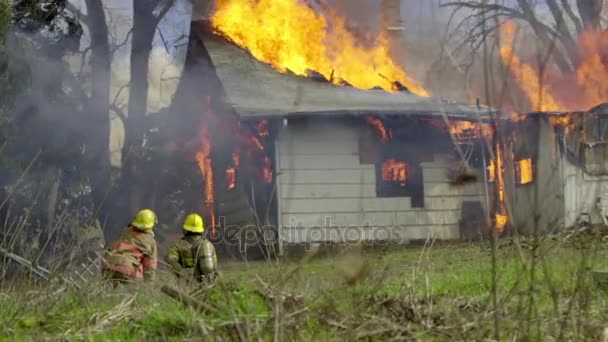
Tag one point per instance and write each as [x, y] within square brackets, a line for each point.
[568, 9]
[119, 112]
[123, 87]
[162, 38]
[123, 43]
[163, 10]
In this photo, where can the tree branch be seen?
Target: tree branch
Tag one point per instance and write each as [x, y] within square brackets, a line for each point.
[119, 112]
[568, 9]
[161, 11]
[564, 34]
[124, 42]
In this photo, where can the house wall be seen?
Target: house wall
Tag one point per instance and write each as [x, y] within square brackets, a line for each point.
[540, 205]
[581, 193]
[326, 194]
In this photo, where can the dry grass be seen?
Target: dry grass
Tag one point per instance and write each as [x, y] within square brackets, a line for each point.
[440, 293]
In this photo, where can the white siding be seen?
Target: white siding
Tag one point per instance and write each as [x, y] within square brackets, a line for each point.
[327, 195]
[581, 192]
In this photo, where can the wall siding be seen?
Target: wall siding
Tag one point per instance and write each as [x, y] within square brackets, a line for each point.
[327, 195]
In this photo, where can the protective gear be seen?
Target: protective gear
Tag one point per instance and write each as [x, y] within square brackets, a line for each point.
[145, 220]
[194, 255]
[194, 223]
[134, 256]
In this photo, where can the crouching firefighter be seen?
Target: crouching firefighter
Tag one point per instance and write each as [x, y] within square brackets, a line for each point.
[134, 257]
[193, 256]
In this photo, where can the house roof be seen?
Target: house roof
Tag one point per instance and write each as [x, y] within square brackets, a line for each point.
[255, 89]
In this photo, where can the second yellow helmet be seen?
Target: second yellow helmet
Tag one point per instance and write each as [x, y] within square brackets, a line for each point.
[194, 223]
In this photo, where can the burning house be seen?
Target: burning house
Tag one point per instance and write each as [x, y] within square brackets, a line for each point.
[318, 162]
[557, 169]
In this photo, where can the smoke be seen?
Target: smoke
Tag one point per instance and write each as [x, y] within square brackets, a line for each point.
[165, 64]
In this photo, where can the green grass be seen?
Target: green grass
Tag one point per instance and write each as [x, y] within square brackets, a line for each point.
[439, 293]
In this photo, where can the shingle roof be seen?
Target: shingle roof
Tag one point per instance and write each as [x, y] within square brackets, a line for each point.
[255, 89]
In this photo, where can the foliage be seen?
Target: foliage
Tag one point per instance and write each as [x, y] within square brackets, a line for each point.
[439, 293]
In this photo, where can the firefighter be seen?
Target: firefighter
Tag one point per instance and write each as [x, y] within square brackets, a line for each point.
[134, 257]
[193, 256]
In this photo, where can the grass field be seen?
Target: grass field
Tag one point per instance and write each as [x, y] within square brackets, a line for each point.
[542, 291]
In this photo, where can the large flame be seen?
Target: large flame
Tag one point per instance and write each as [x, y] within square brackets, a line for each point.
[593, 69]
[203, 158]
[533, 86]
[581, 90]
[290, 35]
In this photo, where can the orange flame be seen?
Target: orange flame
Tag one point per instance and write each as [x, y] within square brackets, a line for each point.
[262, 128]
[592, 72]
[203, 158]
[492, 171]
[383, 133]
[501, 222]
[580, 90]
[394, 171]
[463, 130]
[526, 76]
[290, 35]
[267, 170]
[496, 167]
[525, 172]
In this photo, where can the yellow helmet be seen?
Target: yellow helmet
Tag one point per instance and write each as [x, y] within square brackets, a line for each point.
[145, 220]
[194, 223]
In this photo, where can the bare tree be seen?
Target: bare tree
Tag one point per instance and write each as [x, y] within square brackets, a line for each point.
[147, 14]
[98, 104]
[480, 18]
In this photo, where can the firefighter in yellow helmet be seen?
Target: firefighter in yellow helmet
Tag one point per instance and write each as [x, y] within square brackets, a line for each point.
[135, 255]
[193, 256]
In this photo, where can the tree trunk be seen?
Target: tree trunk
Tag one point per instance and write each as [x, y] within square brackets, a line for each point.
[564, 33]
[590, 12]
[144, 26]
[98, 139]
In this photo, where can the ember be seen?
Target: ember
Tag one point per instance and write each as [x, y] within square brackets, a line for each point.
[290, 35]
[230, 178]
[394, 171]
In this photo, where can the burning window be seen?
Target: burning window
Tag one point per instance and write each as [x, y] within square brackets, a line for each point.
[523, 171]
[394, 171]
[398, 178]
[468, 131]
